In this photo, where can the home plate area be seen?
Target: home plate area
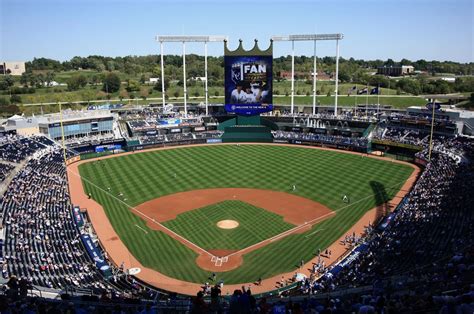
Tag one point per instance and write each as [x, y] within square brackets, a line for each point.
[218, 261]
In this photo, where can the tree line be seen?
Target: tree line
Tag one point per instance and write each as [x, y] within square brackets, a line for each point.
[195, 63]
[108, 72]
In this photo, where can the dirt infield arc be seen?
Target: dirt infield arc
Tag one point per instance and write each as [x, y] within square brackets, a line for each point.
[118, 252]
[294, 209]
[297, 210]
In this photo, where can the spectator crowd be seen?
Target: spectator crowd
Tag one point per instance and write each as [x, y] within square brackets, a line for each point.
[322, 138]
[422, 261]
[427, 246]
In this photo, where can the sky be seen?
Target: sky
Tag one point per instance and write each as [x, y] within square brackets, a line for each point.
[373, 29]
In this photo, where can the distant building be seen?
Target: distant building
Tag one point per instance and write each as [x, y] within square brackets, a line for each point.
[53, 84]
[12, 67]
[449, 79]
[396, 71]
[321, 76]
[153, 80]
[22, 125]
[286, 75]
[77, 124]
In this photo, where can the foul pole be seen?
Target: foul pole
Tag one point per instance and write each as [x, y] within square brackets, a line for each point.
[432, 128]
[162, 76]
[62, 131]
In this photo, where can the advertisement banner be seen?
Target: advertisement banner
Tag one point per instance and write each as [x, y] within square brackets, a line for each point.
[94, 252]
[248, 84]
[213, 140]
[111, 147]
[386, 221]
[349, 259]
[169, 122]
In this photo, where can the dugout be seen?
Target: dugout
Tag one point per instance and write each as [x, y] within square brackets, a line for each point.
[398, 151]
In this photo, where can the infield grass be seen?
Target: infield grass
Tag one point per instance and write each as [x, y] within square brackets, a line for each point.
[323, 176]
[255, 224]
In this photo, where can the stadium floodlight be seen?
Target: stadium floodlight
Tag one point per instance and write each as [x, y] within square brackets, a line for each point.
[184, 39]
[191, 38]
[308, 37]
[311, 37]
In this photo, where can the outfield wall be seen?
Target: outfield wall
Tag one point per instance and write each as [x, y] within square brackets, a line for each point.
[134, 148]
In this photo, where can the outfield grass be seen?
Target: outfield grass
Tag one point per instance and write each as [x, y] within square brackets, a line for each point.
[323, 176]
[255, 225]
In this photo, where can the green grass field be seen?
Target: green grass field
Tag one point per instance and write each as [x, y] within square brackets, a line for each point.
[323, 176]
[255, 225]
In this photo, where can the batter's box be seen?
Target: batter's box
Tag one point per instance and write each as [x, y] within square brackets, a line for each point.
[219, 260]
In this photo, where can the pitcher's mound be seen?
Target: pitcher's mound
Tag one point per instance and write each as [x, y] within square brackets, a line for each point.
[227, 224]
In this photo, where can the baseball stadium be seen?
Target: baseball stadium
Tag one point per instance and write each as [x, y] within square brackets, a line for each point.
[239, 204]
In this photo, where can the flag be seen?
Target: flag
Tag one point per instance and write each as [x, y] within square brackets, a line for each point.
[362, 91]
[351, 90]
[374, 90]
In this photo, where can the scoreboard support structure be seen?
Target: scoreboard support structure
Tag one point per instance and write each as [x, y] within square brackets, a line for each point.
[314, 38]
[184, 39]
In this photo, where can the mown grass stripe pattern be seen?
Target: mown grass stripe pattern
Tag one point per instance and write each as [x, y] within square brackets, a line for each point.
[255, 225]
[323, 176]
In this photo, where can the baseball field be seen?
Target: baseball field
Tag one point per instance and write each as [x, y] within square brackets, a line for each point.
[171, 206]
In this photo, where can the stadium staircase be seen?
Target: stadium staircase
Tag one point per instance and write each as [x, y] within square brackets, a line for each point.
[368, 132]
[11, 175]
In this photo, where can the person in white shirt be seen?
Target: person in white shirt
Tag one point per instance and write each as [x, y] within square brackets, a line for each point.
[252, 95]
[238, 95]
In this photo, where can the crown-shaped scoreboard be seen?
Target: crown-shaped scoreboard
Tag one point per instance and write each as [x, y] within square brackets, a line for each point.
[248, 79]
